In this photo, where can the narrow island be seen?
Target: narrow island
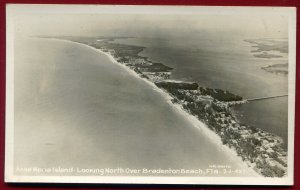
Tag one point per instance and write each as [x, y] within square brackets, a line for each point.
[261, 150]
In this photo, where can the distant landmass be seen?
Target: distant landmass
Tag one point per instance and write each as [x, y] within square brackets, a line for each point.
[262, 45]
[267, 48]
[266, 55]
[277, 68]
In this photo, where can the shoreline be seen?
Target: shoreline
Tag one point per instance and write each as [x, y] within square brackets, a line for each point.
[257, 149]
[195, 122]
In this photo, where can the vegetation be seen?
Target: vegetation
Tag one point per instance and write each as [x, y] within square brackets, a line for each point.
[170, 86]
[220, 95]
[246, 140]
[153, 67]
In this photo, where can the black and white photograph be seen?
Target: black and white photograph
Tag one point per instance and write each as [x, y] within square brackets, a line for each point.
[150, 94]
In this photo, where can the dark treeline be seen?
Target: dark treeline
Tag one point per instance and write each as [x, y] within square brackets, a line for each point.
[177, 85]
[220, 95]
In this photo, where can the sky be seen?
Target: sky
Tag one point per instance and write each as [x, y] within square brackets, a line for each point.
[151, 24]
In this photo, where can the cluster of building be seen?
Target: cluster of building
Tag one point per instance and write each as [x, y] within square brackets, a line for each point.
[154, 72]
[261, 150]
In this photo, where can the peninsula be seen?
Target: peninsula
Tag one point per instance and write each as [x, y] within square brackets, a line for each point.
[261, 150]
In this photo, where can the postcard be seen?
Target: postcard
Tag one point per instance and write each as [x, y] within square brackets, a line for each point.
[150, 94]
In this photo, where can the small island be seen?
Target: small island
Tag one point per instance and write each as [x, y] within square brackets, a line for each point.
[265, 45]
[261, 150]
[277, 68]
[266, 55]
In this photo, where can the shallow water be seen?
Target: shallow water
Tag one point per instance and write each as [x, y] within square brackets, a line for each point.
[75, 108]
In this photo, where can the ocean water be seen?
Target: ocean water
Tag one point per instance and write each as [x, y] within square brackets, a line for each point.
[226, 63]
[75, 108]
